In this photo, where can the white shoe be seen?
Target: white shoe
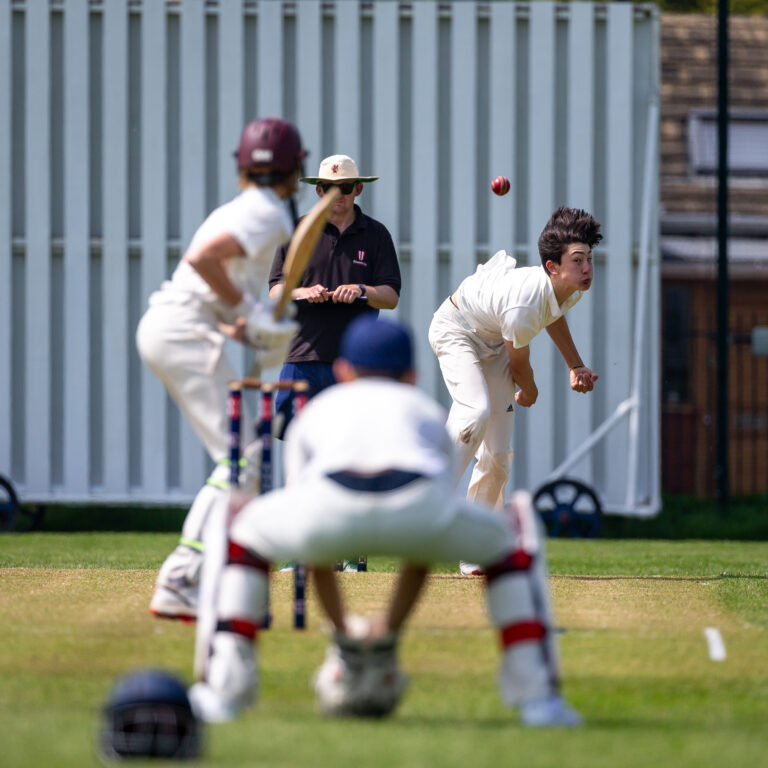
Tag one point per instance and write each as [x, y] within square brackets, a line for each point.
[177, 585]
[177, 601]
[552, 712]
[209, 707]
[470, 569]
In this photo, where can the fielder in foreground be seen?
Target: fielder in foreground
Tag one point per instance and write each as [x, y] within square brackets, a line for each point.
[380, 481]
[211, 296]
[481, 336]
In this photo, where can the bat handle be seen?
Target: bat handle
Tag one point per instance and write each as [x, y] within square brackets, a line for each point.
[281, 304]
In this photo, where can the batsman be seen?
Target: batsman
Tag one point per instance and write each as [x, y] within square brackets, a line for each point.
[380, 481]
[212, 296]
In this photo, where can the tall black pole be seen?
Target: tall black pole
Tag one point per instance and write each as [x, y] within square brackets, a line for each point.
[721, 467]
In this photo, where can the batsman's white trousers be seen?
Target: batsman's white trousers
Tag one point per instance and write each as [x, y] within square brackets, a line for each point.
[183, 347]
[479, 380]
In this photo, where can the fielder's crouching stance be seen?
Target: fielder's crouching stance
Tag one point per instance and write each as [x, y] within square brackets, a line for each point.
[370, 469]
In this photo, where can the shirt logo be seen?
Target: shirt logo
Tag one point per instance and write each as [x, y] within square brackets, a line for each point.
[360, 259]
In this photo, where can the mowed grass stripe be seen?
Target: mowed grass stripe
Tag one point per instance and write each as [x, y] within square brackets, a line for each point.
[634, 657]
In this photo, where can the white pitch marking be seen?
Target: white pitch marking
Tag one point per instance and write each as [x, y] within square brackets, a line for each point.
[715, 644]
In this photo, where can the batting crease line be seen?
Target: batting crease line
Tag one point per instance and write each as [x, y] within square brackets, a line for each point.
[715, 644]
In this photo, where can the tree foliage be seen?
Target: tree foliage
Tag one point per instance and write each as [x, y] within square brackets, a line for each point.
[735, 7]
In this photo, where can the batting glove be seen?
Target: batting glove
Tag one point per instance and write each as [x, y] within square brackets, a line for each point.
[268, 337]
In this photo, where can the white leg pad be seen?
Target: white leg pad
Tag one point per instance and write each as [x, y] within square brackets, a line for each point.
[232, 682]
[510, 599]
[207, 498]
[243, 593]
[232, 668]
[181, 567]
[524, 673]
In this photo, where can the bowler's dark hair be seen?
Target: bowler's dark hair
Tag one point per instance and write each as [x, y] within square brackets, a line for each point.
[566, 226]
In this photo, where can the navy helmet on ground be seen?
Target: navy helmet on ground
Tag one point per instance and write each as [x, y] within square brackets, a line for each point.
[148, 714]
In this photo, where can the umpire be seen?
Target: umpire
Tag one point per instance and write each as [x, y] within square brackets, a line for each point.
[353, 271]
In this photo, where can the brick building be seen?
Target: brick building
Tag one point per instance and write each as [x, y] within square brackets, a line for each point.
[689, 252]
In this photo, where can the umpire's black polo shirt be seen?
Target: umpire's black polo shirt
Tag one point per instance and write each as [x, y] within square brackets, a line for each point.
[363, 253]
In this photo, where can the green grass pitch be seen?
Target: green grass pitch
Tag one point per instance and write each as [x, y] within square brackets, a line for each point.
[631, 617]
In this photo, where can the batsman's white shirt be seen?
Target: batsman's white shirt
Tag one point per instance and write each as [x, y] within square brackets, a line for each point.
[258, 219]
[503, 302]
[179, 338]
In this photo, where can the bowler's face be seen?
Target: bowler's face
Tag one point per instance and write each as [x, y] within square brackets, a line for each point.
[575, 268]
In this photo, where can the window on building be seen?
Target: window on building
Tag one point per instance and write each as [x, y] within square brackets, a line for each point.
[747, 142]
[676, 344]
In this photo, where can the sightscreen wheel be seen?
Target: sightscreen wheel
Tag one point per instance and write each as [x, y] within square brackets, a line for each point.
[9, 506]
[15, 516]
[569, 508]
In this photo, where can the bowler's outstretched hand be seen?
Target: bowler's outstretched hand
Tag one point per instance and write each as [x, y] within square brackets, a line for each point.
[582, 379]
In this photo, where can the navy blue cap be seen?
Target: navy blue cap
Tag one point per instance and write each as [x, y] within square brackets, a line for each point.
[377, 345]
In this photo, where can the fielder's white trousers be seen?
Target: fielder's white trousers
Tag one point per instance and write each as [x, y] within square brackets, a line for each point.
[423, 522]
[479, 380]
[183, 347]
[320, 522]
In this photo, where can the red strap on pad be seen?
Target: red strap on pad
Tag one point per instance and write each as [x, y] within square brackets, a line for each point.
[522, 632]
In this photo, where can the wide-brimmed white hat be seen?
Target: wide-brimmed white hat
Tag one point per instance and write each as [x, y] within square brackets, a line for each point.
[338, 168]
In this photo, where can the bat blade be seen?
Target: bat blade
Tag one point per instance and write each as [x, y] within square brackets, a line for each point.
[302, 246]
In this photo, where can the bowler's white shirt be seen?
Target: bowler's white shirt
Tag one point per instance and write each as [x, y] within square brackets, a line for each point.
[502, 302]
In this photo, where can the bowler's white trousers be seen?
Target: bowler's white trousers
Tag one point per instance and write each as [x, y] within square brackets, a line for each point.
[479, 380]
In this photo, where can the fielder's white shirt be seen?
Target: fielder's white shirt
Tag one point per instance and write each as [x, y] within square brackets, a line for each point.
[503, 303]
[397, 427]
[259, 220]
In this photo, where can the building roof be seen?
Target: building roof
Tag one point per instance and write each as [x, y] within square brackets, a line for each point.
[688, 85]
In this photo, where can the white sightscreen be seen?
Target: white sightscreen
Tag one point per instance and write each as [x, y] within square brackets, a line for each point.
[116, 139]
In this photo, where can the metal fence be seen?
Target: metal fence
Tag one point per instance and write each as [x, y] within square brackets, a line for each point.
[689, 410]
[117, 123]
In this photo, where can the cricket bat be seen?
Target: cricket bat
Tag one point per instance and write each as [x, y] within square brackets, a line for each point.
[302, 247]
[300, 251]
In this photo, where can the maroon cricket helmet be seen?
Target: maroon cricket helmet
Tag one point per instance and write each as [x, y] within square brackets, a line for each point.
[270, 144]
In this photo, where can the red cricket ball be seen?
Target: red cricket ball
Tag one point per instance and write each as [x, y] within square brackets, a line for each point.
[500, 185]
